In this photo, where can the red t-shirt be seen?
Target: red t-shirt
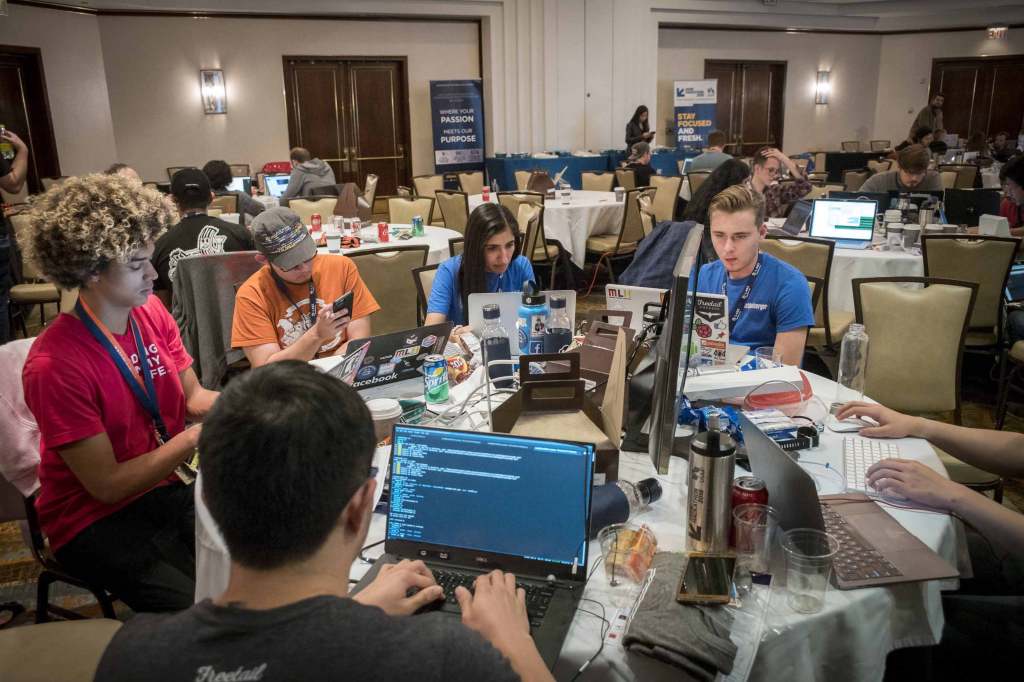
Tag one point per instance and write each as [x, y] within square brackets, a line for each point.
[75, 391]
[1012, 212]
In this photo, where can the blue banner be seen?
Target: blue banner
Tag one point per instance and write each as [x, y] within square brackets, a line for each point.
[695, 105]
[457, 113]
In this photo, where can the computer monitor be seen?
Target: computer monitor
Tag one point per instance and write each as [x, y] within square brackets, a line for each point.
[966, 206]
[917, 197]
[276, 185]
[881, 198]
[849, 220]
[1015, 284]
[240, 184]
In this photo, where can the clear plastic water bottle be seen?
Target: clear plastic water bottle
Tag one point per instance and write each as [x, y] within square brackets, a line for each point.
[532, 319]
[495, 345]
[619, 501]
[853, 366]
[559, 331]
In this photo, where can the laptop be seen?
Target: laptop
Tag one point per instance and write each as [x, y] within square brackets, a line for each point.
[795, 221]
[874, 548]
[881, 197]
[509, 304]
[276, 184]
[240, 184]
[1015, 284]
[633, 299]
[917, 197]
[848, 222]
[965, 206]
[453, 494]
[389, 358]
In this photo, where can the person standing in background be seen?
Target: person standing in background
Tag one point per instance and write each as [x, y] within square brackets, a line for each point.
[638, 129]
[929, 117]
[13, 171]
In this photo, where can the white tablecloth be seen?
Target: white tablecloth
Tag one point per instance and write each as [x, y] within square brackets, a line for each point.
[436, 239]
[850, 264]
[848, 640]
[587, 214]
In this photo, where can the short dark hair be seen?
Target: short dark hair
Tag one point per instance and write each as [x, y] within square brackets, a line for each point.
[920, 133]
[115, 168]
[759, 158]
[219, 173]
[300, 155]
[938, 147]
[716, 138]
[282, 452]
[1013, 170]
[914, 159]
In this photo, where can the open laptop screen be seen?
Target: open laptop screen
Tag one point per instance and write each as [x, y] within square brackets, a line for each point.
[491, 493]
[240, 184]
[843, 219]
[1015, 285]
[276, 185]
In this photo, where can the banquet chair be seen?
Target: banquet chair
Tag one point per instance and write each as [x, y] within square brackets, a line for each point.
[240, 170]
[820, 159]
[535, 245]
[966, 174]
[427, 186]
[307, 206]
[472, 182]
[31, 653]
[625, 178]
[454, 207]
[948, 178]
[383, 274]
[801, 163]
[522, 178]
[610, 247]
[423, 278]
[813, 258]
[455, 246]
[598, 182]
[818, 178]
[917, 340]
[696, 179]
[512, 200]
[647, 218]
[879, 165]
[851, 146]
[227, 203]
[30, 289]
[401, 210]
[666, 194]
[370, 189]
[880, 145]
[52, 182]
[171, 170]
[853, 179]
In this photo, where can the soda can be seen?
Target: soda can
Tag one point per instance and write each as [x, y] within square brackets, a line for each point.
[417, 226]
[486, 193]
[383, 235]
[435, 379]
[749, 490]
[314, 222]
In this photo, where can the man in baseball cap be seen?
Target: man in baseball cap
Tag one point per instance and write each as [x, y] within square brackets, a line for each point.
[284, 310]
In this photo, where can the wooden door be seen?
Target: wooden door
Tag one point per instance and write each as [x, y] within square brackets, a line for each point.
[750, 102]
[981, 94]
[25, 109]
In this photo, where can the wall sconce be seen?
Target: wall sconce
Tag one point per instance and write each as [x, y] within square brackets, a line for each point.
[822, 87]
[211, 85]
[997, 32]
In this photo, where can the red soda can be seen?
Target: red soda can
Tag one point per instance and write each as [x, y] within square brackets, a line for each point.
[486, 193]
[749, 490]
[314, 222]
[383, 235]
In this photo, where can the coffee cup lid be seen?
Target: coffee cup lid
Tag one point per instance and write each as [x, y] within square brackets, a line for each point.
[384, 408]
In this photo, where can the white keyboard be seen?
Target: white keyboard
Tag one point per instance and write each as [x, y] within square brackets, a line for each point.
[858, 456]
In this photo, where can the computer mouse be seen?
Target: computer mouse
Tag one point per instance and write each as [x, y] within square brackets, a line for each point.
[848, 425]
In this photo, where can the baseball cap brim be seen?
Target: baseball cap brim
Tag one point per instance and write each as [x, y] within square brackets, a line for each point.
[295, 256]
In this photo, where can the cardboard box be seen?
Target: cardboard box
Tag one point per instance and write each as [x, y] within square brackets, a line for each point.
[555, 405]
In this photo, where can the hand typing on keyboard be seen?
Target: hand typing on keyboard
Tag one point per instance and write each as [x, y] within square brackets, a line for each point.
[914, 481]
[400, 589]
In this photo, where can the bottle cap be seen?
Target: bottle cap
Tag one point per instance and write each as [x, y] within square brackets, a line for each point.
[532, 295]
[702, 442]
[650, 490]
[492, 311]
[557, 302]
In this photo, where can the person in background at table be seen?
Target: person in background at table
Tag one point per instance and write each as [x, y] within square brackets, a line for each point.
[124, 170]
[292, 492]
[284, 310]
[1003, 148]
[985, 617]
[12, 179]
[639, 162]
[197, 234]
[307, 173]
[769, 300]
[911, 174]
[713, 156]
[731, 172]
[977, 144]
[764, 178]
[1012, 205]
[488, 264]
[922, 136]
[638, 129]
[938, 150]
[219, 173]
[111, 388]
[929, 117]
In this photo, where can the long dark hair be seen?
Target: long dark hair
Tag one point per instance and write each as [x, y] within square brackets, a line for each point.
[731, 172]
[485, 221]
[644, 125]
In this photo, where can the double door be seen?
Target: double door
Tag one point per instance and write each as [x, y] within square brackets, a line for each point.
[983, 95]
[353, 114]
[750, 106]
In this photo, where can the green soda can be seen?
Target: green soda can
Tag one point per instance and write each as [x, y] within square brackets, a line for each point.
[417, 226]
[435, 379]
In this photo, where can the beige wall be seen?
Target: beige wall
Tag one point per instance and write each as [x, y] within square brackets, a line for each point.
[904, 80]
[75, 82]
[852, 59]
[152, 71]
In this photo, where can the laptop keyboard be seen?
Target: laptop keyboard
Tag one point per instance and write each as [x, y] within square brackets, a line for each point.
[537, 596]
[856, 559]
[858, 456]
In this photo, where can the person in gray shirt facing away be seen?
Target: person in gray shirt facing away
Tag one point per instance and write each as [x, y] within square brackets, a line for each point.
[911, 174]
[292, 491]
[713, 156]
[307, 174]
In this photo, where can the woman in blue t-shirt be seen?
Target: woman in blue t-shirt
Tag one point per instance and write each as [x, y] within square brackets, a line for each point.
[488, 264]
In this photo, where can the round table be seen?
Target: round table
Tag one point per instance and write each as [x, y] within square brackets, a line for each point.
[853, 633]
[851, 264]
[436, 239]
[588, 213]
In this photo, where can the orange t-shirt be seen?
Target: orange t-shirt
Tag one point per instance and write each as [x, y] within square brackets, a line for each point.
[263, 314]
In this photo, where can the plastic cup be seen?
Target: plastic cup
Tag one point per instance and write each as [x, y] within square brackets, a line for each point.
[334, 241]
[809, 555]
[627, 550]
[620, 194]
[766, 357]
[754, 529]
[894, 236]
[911, 233]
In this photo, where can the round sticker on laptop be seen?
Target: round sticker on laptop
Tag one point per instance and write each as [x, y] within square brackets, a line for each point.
[366, 372]
[429, 340]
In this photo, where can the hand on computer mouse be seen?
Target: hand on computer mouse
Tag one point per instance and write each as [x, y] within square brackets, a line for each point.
[891, 424]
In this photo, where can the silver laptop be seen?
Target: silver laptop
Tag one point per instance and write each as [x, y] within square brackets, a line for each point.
[276, 184]
[509, 304]
[633, 299]
[850, 223]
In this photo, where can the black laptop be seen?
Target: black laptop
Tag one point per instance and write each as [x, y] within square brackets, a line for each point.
[966, 206]
[881, 198]
[795, 221]
[388, 358]
[466, 503]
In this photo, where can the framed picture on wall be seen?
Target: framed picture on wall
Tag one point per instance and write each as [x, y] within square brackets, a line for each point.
[211, 83]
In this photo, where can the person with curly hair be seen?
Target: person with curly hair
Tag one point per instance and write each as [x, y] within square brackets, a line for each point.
[111, 388]
[219, 173]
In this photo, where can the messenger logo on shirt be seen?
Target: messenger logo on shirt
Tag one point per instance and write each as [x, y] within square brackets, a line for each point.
[294, 323]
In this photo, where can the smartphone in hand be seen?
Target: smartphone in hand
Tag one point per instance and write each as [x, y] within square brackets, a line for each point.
[343, 302]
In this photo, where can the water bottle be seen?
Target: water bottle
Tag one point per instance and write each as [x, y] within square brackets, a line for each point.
[617, 502]
[559, 328]
[853, 365]
[495, 345]
[532, 320]
[709, 490]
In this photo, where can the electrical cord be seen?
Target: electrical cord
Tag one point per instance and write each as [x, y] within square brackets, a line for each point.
[370, 546]
[605, 627]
